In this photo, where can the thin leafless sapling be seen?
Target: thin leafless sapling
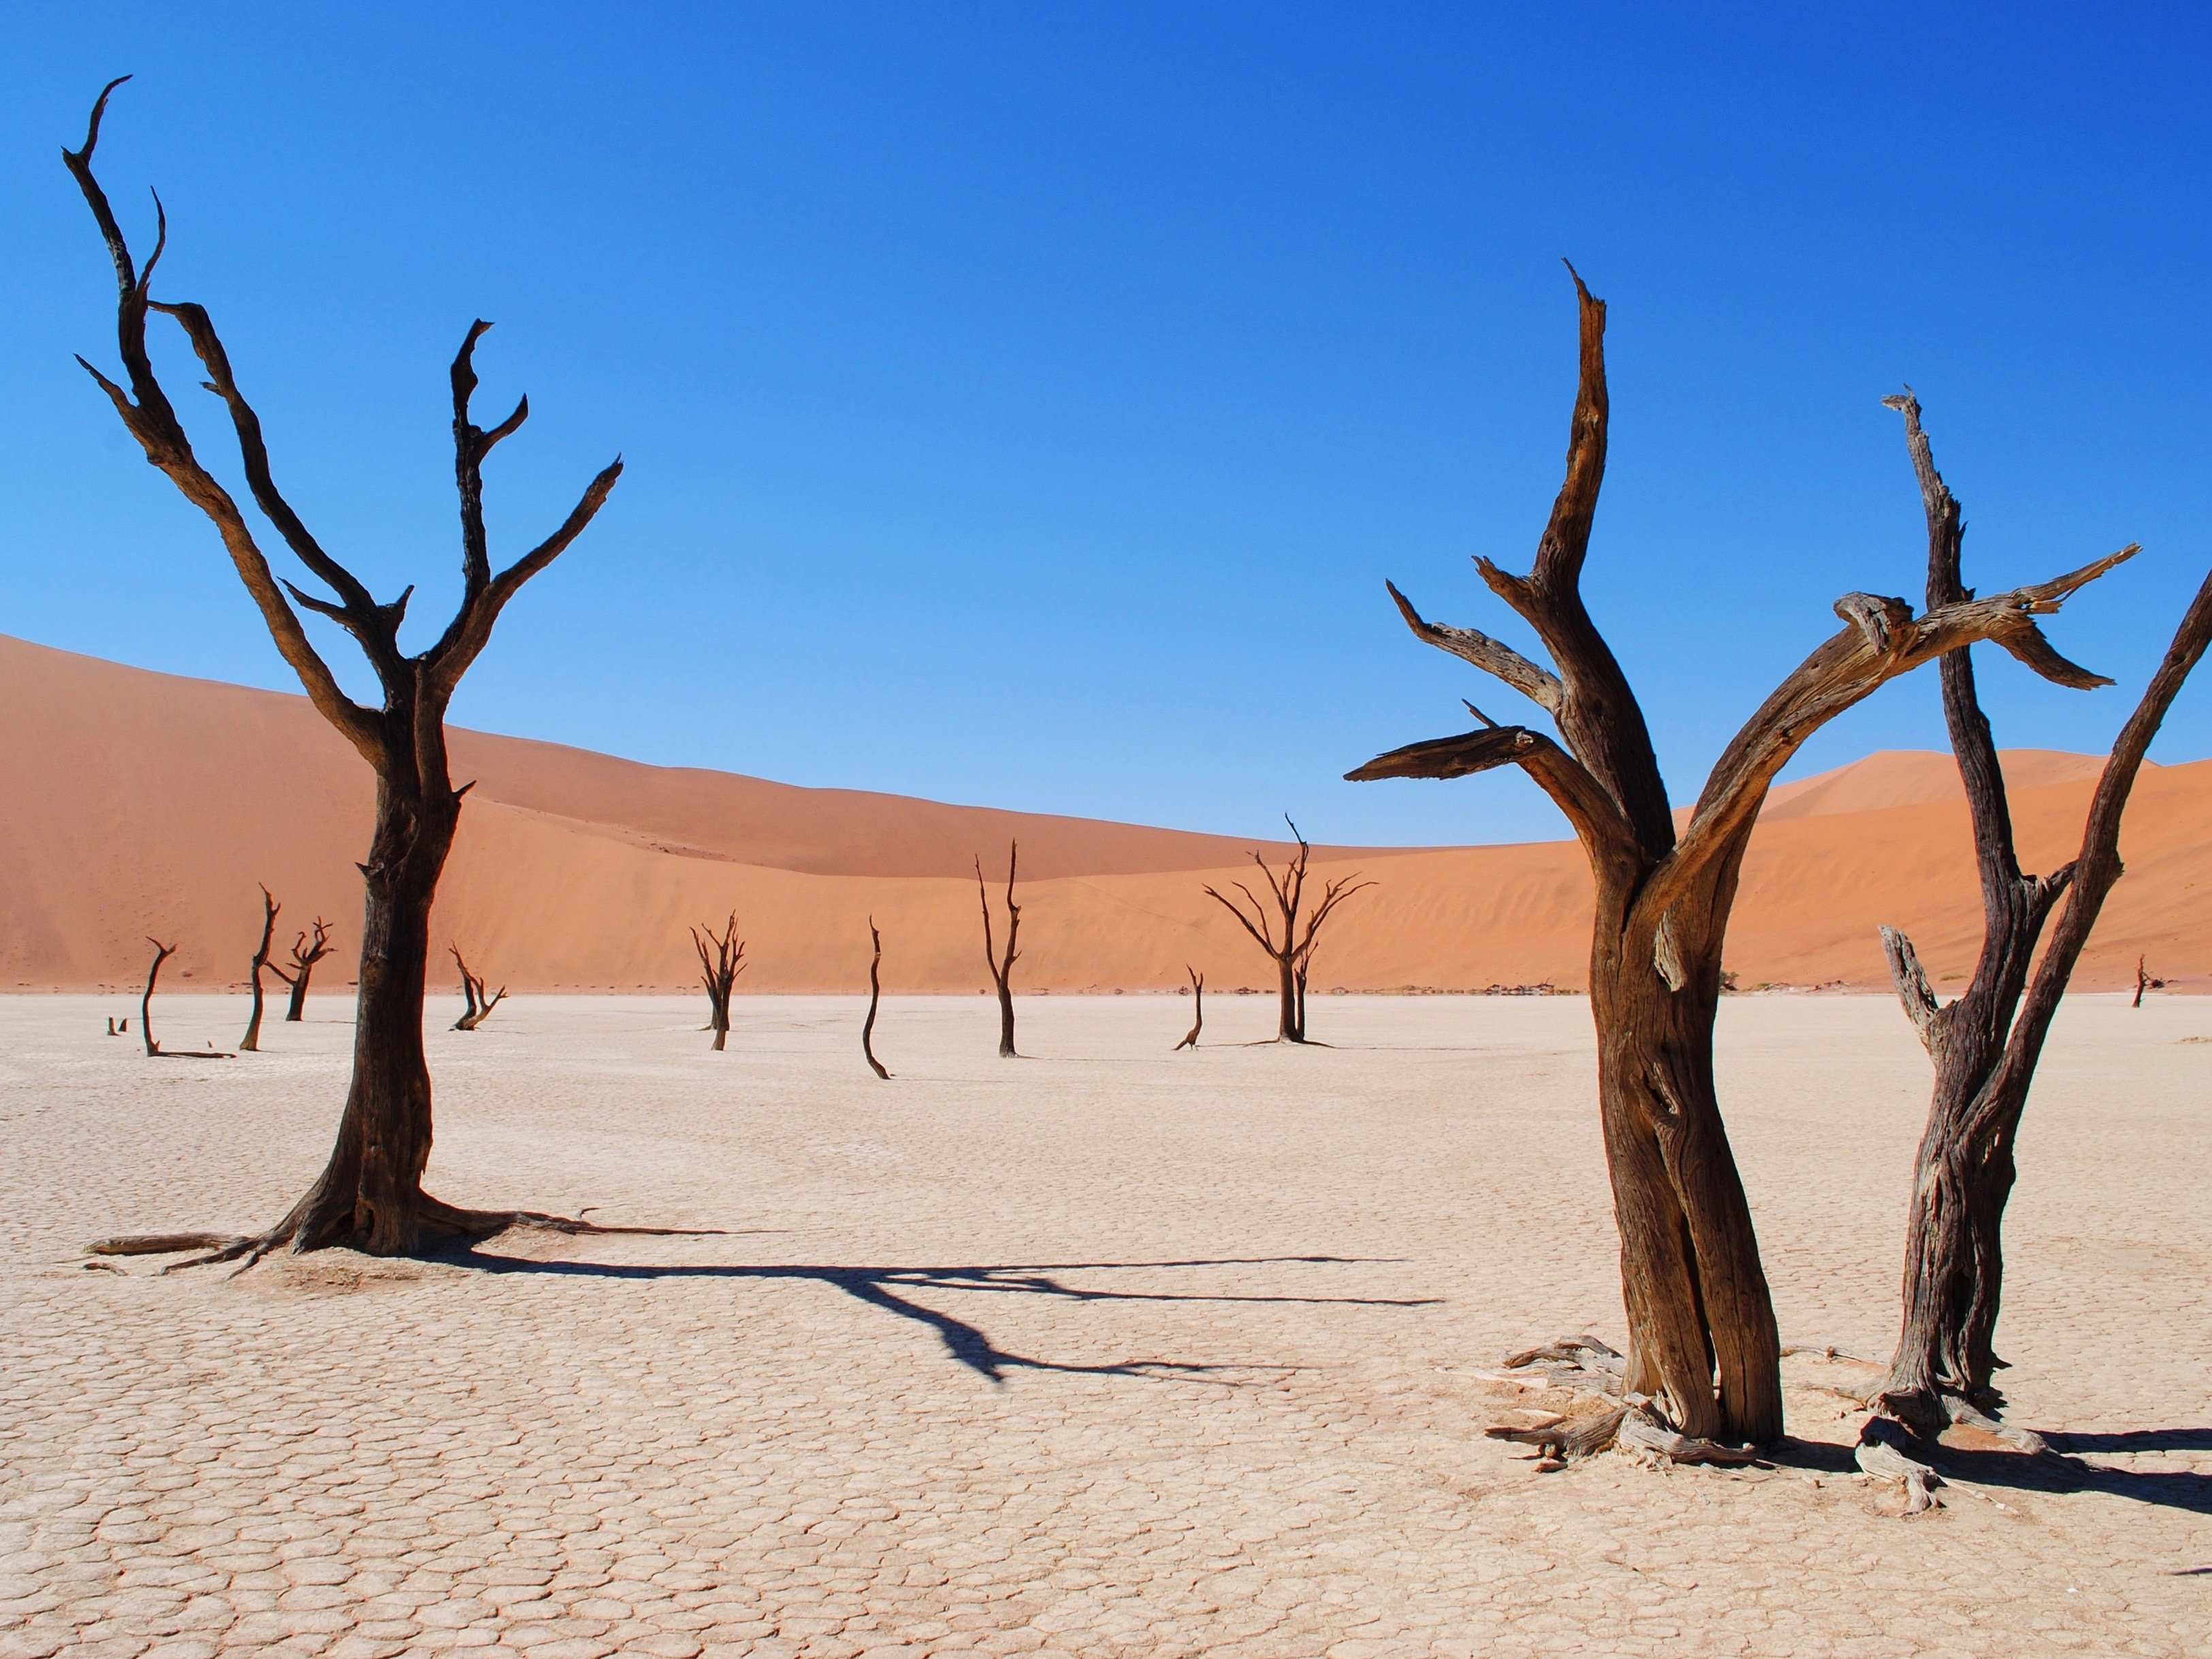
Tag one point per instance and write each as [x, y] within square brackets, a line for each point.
[719, 969]
[1703, 1345]
[251, 1042]
[1002, 967]
[477, 1003]
[1293, 953]
[369, 1194]
[875, 995]
[1986, 1042]
[1197, 1009]
[154, 1050]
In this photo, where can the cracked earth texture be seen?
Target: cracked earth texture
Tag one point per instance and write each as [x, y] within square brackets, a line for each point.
[1107, 1351]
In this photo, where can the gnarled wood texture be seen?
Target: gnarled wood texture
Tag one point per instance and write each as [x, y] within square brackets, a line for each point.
[370, 1194]
[1703, 1342]
[1984, 1044]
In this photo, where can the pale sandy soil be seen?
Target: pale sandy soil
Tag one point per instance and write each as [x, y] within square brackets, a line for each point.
[1108, 1351]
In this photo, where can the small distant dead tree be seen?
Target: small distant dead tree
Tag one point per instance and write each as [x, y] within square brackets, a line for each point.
[477, 1005]
[1197, 1009]
[718, 970]
[1703, 1345]
[369, 1194]
[251, 1042]
[875, 995]
[2144, 982]
[1002, 968]
[1293, 952]
[1986, 1042]
[161, 954]
[154, 1050]
[306, 954]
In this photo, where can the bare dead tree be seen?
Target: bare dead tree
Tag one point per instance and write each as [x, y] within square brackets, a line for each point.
[1984, 1043]
[477, 1003]
[875, 995]
[718, 970]
[1293, 952]
[370, 1194]
[2144, 982]
[1002, 968]
[251, 1042]
[161, 954]
[154, 1050]
[304, 955]
[1702, 1340]
[1197, 1009]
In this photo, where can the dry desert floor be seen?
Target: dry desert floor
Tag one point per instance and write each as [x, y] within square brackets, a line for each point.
[1105, 1350]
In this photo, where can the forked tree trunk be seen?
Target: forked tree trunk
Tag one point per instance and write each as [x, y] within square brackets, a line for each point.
[304, 955]
[370, 1194]
[1197, 1008]
[1292, 953]
[1002, 967]
[251, 1042]
[161, 954]
[1984, 1045]
[719, 969]
[1702, 1337]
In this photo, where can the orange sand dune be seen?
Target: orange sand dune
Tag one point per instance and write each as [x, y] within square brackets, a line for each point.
[133, 803]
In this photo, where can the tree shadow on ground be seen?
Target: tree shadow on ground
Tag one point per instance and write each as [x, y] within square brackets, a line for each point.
[880, 1287]
[2055, 1471]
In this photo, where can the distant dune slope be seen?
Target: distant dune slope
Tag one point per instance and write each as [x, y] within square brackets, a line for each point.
[133, 803]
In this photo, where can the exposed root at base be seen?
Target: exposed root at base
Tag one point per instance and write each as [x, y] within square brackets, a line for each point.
[439, 1225]
[1633, 1422]
[1882, 1452]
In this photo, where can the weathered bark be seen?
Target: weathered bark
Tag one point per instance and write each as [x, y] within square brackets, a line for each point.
[719, 969]
[251, 1042]
[161, 954]
[1197, 1008]
[1293, 952]
[1983, 1044]
[875, 995]
[304, 955]
[1702, 1337]
[370, 1194]
[1002, 967]
[477, 1003]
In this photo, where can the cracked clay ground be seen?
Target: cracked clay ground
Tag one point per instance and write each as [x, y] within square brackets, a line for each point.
[1111, 1351]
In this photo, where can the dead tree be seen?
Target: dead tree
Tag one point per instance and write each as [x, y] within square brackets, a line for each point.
[718, 969]
[1293, 952]
[1197, 1009]
[1002, 968]
[1702, 1338]
[370, 1194]
[251, 1042]
[2144, 982]
[477, 1003]
[161, 954]
[304, 955]
[1985, 1043]
[875, 995]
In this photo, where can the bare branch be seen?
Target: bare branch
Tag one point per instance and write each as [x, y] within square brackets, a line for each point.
[1498, 660]
[1596, 819]
[1913, 989]
[1262, 932]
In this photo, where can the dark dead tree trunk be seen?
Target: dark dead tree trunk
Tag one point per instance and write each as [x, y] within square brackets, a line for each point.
[161, 954]
[304, 955]
[1197, 1008]
[2144, 982]
[477, 1003]
[1984, 1044]
[1293, 952]
[370, 1194]
[719, 969]
[1702, 1338]
[251, 1042]
[875, 996]
[1002, 968]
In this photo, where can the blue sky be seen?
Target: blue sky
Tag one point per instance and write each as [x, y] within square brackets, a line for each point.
[1023, 406]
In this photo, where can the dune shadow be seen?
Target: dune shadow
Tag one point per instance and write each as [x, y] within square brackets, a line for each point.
[965, 1343]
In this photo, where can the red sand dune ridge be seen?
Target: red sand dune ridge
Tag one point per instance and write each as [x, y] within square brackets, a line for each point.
[134, 803]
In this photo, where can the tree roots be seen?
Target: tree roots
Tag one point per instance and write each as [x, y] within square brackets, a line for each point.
[1615, 1416]
[439, 1224]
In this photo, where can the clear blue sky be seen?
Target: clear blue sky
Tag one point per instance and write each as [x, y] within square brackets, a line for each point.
[1023, 404]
